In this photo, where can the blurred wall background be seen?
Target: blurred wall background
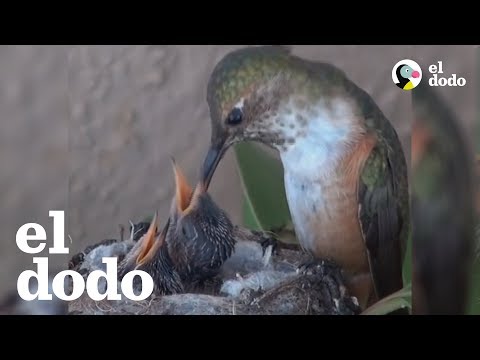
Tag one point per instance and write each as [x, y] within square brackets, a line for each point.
[90, 129]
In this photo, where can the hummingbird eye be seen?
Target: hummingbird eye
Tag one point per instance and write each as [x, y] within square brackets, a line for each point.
[235, 117]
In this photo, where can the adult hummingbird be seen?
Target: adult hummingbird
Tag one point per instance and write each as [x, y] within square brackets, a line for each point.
[344, 168]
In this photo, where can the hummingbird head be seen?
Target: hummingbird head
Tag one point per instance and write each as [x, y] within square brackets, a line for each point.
[267, 94]
[195, 217]
[244, 93]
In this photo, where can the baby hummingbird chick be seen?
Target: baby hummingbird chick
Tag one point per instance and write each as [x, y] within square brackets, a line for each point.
[150, 254]
[202, 235]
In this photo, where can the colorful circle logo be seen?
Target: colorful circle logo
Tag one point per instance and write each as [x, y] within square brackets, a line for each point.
[407, 74]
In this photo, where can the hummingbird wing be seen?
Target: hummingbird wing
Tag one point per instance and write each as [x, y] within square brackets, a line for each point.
[382, 188]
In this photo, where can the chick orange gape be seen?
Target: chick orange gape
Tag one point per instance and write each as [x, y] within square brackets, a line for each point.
[344, 168]
[203, 235]
[150, 254]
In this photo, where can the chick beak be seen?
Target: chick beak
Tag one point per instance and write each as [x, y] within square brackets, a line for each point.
[214, 155]
[183, 191]
[151, 242]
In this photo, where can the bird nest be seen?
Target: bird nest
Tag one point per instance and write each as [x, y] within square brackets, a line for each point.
[253, 281]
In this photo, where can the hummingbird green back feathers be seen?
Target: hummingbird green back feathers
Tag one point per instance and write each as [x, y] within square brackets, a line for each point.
[243, 69]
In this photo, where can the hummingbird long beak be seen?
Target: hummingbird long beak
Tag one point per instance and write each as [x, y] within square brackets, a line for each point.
[214, 155]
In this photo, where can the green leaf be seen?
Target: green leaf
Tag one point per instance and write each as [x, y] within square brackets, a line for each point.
[399, 300]
[261, 173]
[249, 218]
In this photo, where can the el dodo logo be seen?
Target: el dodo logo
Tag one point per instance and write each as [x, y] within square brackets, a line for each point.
[406, 74]
[40, 237]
